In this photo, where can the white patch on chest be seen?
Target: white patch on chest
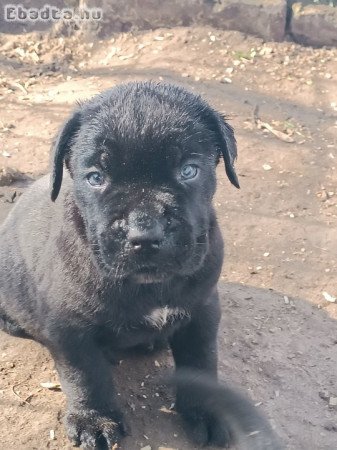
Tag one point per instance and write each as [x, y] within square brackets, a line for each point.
[159, 317]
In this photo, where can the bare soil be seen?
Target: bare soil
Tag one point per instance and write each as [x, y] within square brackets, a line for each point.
[278, 340]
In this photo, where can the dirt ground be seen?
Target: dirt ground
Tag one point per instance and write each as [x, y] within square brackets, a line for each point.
[278, 339]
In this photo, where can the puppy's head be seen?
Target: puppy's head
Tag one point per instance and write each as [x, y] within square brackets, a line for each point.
[142, 157]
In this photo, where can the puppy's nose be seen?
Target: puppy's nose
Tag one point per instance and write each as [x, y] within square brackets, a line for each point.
[145, 235]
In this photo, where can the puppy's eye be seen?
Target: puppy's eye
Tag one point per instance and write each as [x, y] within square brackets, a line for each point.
[95, 179]
[189, 171]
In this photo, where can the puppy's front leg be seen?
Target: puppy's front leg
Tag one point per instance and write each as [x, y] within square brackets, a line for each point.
[194, 348]
[195, 345]
[93, 418]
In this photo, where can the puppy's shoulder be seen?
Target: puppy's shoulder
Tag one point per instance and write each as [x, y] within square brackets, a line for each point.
[33, 217]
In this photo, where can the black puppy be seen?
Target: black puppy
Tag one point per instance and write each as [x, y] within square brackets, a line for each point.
[129, 252]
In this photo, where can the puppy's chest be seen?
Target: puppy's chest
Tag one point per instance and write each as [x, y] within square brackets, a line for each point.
[156, 322]
[161, 317]
[155, 319]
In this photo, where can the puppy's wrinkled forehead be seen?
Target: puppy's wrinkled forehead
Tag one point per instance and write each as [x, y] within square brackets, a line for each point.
[145, 129]
[142, 130]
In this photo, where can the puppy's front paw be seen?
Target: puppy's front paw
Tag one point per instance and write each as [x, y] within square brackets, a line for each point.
[92, 430]
[203, 427]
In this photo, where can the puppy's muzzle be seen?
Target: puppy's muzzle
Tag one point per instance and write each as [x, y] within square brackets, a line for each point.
[145, 233]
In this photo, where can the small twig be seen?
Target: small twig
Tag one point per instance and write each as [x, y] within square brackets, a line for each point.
[256, 117]
[17, 395]
[260, 125]
[30, 396]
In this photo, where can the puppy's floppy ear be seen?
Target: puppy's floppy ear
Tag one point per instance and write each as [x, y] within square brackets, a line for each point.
[61, 151]
[226, 143]
[228, 149]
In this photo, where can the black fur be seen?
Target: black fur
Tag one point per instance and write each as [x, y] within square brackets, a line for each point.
[126, 263]
[220, 404]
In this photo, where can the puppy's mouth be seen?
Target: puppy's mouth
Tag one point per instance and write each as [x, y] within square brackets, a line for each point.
[148, 275]
[182, 259]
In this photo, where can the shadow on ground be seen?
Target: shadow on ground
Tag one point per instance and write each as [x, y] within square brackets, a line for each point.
[281, 352]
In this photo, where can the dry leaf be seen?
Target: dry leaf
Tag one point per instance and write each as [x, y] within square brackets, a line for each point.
[266, 167]
[333, 401]
[50, 385]
[328, 297]
[166, 410]
[167, 448]
[19, 86]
